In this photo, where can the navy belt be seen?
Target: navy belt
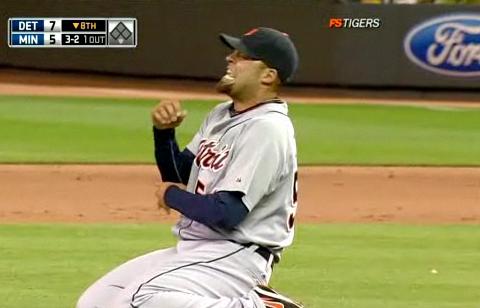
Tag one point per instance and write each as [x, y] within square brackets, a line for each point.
[264, 252]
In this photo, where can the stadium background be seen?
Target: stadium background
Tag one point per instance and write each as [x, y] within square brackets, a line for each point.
[389, 183]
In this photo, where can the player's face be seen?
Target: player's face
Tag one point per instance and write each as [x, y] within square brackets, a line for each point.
[243, 75]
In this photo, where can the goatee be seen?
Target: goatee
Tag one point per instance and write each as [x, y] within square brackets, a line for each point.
[225, 84]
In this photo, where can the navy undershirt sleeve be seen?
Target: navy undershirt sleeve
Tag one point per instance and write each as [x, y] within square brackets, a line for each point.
[174, 166]
[224, 209]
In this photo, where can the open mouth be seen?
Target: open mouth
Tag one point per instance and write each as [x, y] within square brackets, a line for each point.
[229, 75]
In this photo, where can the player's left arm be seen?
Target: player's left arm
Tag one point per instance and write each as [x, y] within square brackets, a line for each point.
[224, 209]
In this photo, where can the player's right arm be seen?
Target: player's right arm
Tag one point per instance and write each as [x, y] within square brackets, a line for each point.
[174, 166]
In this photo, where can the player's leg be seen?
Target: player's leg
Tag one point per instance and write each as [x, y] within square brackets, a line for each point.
[184, 300]
[112, 284]
[260, 297]
[206, 274]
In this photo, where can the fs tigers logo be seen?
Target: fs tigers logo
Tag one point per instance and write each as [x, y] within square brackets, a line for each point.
[355, 23]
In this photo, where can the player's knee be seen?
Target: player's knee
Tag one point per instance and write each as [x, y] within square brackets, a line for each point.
[84, 302]
[163, 299]
[92, 298]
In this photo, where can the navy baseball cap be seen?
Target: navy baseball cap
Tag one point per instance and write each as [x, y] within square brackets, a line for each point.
[271, 46]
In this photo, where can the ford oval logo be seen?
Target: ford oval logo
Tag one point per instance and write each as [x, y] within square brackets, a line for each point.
[448, 45]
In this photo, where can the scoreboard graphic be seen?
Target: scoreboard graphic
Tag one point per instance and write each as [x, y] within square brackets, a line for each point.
[79, 32]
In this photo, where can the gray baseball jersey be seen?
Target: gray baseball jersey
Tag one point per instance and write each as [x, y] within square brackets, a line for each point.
[253, 152]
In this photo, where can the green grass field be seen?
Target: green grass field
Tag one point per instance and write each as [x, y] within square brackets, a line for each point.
[329, 266]
[87, 130]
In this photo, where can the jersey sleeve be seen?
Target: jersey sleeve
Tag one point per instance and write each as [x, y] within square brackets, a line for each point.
[256, 162]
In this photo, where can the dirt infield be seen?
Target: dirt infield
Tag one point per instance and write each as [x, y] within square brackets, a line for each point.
[115, 193]
[96, 193]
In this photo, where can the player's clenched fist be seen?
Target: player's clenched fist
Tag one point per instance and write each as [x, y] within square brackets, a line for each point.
[168, 114]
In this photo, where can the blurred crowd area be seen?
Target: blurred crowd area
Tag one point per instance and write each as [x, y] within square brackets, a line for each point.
[412, 1]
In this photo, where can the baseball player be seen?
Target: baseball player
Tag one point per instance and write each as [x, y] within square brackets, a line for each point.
[240, 199]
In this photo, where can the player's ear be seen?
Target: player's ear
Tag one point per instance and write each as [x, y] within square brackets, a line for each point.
[269, 76]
